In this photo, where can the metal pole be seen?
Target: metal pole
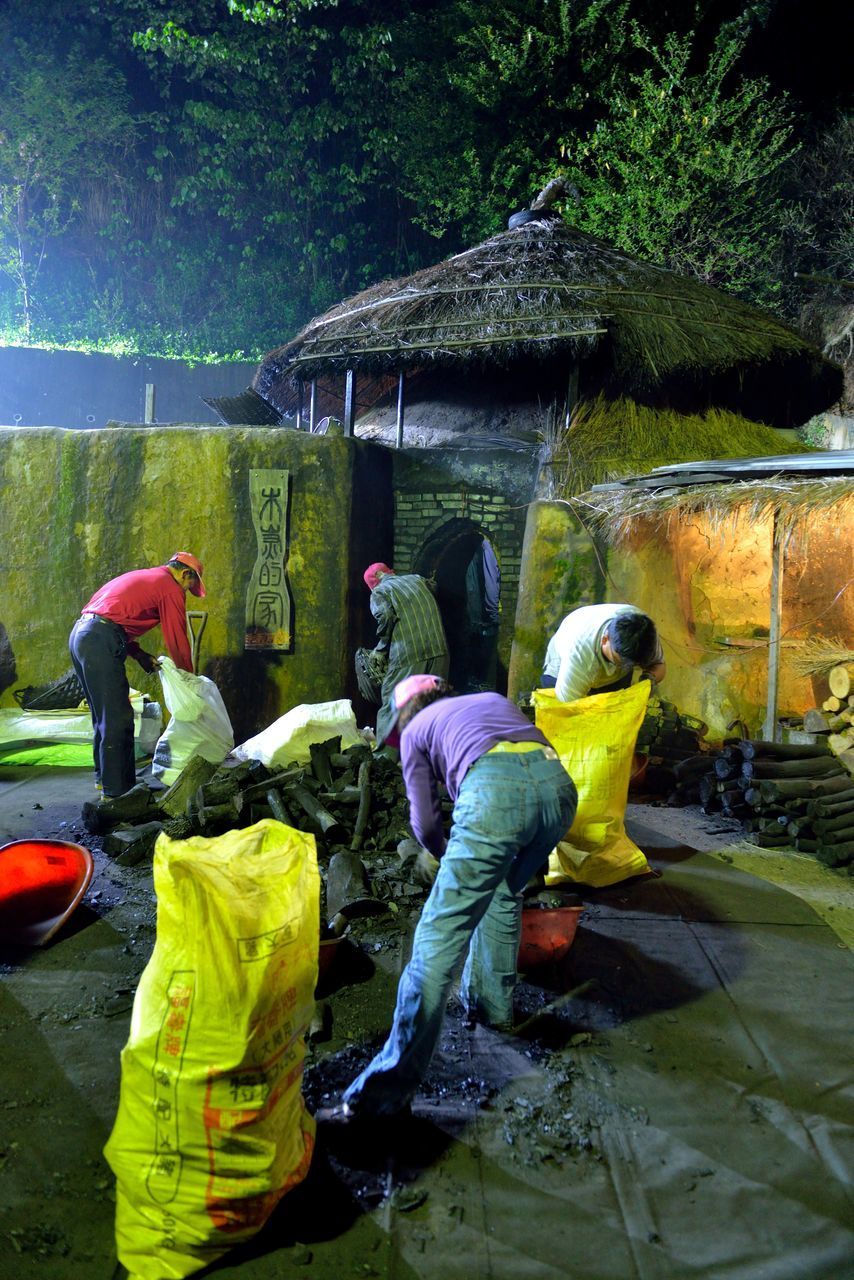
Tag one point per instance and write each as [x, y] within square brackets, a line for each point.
[349, 401]
[771, 729]
[571, 395]
[299, 404]
[149, 402]
[312, 405]
[401, 381]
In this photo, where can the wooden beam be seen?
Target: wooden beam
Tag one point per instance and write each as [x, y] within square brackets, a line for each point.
[771, 729]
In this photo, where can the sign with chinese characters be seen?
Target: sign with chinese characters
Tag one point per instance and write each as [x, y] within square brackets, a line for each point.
[269, 606]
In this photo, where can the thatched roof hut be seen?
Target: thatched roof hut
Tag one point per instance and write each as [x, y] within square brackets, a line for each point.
[542, 299]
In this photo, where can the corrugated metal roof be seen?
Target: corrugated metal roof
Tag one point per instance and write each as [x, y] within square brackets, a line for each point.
[832, 462]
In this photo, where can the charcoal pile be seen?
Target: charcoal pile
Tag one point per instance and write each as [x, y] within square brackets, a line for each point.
[672, 741]
[788, 795]
[352, 801]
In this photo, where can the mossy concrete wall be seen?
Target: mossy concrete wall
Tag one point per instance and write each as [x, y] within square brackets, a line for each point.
[79, 507]
[561, 570]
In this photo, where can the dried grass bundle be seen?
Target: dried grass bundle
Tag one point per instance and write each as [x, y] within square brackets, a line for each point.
[818, 657]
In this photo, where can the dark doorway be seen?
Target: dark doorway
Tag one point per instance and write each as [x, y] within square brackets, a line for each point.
[462, 562]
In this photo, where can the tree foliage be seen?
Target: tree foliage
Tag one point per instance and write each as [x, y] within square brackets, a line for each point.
[224, 171]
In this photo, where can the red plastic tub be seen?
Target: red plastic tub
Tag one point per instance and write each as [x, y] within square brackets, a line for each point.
[41, 883]
[547, 934]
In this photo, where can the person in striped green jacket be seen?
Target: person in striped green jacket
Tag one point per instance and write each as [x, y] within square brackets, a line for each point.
[409, 630]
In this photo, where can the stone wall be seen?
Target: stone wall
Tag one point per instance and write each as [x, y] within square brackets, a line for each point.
[80, 507]
[491, 487]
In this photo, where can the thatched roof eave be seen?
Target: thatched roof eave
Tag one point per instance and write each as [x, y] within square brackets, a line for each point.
[613, 511]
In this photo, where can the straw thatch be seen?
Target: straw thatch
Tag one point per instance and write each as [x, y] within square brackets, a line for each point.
[818, 656]
[545, 293]
[610, 439]
[614, 513]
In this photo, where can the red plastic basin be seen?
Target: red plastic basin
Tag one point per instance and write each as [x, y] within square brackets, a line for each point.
[547, 934]
[41, 883]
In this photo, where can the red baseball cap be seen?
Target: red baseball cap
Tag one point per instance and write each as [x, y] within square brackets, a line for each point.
[373, 571]
[190, 561]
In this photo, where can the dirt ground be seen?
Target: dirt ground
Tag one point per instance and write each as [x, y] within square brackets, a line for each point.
[687, 1114]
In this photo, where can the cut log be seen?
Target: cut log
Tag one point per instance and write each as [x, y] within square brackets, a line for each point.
[830, 832]
[134, 806]
[347, 890]
[770, 842]
[839, 681]
[196, 773]
[840, 742]
[774, 790]
[129, 845]
[829, 806]
[728, 768]
[806, 846]
[832, 704]
[836, 855]
[692, 767]
[814, 767]
[782, 750]
[327, 822]
[364, 805]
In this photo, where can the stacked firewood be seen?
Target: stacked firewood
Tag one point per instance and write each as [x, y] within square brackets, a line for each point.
[672, 741]
[788, 795]
[351, 799]
[835, 720]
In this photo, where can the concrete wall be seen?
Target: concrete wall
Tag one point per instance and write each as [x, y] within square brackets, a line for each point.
[79, 507]
[72, 389]
[560, 572]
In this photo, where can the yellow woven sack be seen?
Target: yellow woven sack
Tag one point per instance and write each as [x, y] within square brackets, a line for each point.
[595, 739]
[211, 1129]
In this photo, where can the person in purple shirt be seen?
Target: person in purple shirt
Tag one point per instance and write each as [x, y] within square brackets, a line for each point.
[513, 800]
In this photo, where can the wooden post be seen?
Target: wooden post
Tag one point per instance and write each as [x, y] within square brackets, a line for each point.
[400, 404]
[312, 405]
[149, 402]
[771, 729]
[349, 401]
[299, 404]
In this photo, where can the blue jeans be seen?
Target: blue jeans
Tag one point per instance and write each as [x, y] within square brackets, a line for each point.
[510, 812]
[98, 651]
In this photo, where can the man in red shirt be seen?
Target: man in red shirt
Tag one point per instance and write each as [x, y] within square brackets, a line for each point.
[105, 634]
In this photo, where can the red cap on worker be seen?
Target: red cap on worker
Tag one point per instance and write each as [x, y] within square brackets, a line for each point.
[404, 691]
[373, 571]
[192, 562]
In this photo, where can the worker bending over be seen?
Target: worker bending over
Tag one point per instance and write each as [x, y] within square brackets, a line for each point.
[596, 649]
[105, 634]
[513, 801]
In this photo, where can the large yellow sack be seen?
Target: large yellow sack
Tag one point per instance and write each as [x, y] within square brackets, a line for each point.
[211, 1129]
[595, 739]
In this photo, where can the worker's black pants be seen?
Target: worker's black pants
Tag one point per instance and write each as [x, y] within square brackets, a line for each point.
[98, 650]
